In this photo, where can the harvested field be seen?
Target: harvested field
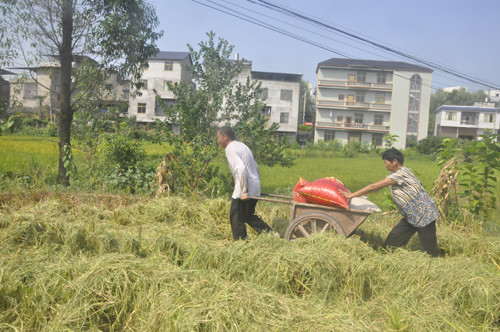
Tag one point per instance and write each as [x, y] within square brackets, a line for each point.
[121, 263]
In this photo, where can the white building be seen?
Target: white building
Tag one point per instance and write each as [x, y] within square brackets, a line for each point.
[455, 88]
[37, 93]
[282, 93]
[163, 68]
[362, 100]
[493, 95]
[466, 121]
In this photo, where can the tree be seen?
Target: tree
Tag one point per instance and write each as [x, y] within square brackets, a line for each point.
[305, 112]
[218, 98]
[119, 34]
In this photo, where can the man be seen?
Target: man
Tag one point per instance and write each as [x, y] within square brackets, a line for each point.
[414, 203]
[246, 183]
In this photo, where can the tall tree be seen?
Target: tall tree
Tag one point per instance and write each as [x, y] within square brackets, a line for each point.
[120, 35]
[306, 103]
[219, 98]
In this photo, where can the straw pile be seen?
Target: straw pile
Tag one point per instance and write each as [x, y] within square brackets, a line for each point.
[121, 264]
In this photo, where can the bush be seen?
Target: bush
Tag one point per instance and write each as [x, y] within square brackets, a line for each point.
[120, 165]
[430, 145]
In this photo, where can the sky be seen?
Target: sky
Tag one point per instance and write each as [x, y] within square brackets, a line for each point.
[455, 35]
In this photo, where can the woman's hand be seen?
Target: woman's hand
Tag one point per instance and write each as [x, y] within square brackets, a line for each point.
[348, 195]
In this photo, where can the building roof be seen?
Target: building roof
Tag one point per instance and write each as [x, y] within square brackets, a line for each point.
[467, 108]
[263, 75]
[5, 72]
[164, 55]
[371, 64]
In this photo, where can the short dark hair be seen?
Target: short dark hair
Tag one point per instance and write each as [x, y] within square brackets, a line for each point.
[392, 154]
[227, 131]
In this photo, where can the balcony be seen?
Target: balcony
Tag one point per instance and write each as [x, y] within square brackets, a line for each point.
[353, 126]
[353, 84]
[348, 104]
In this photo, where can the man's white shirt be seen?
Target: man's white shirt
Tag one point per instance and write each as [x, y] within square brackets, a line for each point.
[244, 169]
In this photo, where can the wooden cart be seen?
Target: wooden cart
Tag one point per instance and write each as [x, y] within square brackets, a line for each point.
[307, 219]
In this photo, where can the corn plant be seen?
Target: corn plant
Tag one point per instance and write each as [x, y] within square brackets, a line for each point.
[479, 180]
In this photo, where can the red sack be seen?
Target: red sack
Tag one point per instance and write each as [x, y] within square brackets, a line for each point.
[325, 191]
[297, 197]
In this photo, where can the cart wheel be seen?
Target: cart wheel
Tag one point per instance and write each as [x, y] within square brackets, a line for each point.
[310, 223]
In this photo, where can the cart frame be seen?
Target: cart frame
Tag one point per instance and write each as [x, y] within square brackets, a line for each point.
[307, 219]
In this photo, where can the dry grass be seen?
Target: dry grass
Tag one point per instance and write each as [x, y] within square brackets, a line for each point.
[116, 263]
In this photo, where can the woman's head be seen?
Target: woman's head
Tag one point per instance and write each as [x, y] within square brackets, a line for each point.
[393, 154]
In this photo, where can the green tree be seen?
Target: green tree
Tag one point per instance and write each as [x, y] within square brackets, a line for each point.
[476, 162]
[219, 98]
[120, 34]
[305, 111]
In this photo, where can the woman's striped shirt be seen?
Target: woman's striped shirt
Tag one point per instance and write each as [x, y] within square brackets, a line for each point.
[413, 202]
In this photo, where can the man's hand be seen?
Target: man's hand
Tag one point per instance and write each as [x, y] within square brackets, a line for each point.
[244, 197]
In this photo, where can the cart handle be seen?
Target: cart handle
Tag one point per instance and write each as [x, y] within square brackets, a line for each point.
[284, 199]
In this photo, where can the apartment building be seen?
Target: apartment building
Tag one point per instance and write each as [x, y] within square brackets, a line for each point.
[282, 93]
[363, 100]
[163, 68]
[37, 93]
[466, 121]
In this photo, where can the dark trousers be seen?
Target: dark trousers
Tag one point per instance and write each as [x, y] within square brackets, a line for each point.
[403, 231]
[244, 212]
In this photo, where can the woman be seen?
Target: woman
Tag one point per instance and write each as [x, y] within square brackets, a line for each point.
[414, 203]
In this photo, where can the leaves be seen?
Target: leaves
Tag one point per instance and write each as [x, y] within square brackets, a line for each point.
[219, 98]
[477, 161]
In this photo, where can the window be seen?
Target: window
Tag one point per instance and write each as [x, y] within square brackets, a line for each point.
[351, 79]
[163, 105]
[141, 108]
[266, 112]
[489, 118]
[144, 84]
[358, 120]
[380, 98]
[468, 119]
[340, 118]
[168, 65]
[286, 95]
[341, 97]
[264, 93]
[284, 117]
[360, 97]
[415, 82]
[361, 76]
[413, 106]
[378, 119]
[329, 135]
[126, 94]
[165, 85]
[451, 116]
[381, 78]
[412, 122]
[414, 101]
[30, 91]
[377, 140]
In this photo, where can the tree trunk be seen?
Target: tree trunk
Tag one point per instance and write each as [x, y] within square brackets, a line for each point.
[66, 113]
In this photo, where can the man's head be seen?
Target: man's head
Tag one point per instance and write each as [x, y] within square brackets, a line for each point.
[225, 135]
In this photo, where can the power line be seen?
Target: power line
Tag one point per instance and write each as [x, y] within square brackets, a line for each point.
[249, 19]
[266, 25]
[302, 17]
